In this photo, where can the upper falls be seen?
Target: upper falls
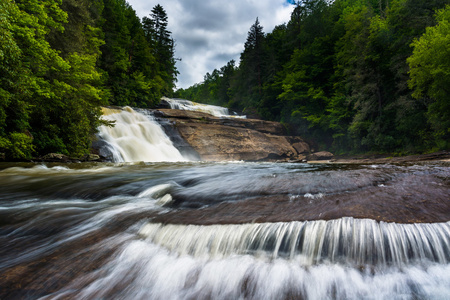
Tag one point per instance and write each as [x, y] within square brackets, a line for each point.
[214, 110]
[193, 131]
[136, 137]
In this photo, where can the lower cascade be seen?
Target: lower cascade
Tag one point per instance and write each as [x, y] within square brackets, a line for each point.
[347, 240]
[136, 137]
[222, 230]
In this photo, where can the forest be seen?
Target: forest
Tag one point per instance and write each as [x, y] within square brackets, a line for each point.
[61, 60]
[353, 76]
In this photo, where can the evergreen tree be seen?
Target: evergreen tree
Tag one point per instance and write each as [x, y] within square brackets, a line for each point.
[162, 45]
[223, 90]
[248, 83]
[129, 59]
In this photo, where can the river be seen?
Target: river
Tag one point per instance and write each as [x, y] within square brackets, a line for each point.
[185, 229]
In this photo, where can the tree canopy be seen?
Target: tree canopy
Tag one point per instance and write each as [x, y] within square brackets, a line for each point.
[353, 76]
[61, 60]
[430, 74]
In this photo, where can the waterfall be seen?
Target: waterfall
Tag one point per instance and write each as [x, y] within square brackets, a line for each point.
[217, 111]
[347, 241]
[136, 137]
[340, 259]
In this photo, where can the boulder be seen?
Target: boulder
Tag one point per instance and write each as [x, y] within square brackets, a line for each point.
[55, 157]
[322, 155]
[92, 157]
[218, 139]
[300, 145]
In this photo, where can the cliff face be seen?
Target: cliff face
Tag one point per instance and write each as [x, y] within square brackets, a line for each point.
[220, 139]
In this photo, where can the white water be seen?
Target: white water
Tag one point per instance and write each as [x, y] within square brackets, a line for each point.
[144, 271]
[340, 259]
[347, 240]
[135, 137]
[217, 111]
[107, 214]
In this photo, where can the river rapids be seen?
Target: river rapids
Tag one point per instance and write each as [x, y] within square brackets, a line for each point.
[182, 229]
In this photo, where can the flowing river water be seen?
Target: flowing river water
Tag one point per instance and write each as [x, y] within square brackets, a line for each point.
[178, 229]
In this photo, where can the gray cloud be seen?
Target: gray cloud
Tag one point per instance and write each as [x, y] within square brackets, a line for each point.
[208, 34]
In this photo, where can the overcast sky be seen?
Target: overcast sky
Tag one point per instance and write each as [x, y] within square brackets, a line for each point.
[208, 34]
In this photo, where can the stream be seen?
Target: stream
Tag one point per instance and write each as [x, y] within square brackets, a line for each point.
[172, 228]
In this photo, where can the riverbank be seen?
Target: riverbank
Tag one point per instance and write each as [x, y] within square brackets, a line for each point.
[338, 159]
[386, 159]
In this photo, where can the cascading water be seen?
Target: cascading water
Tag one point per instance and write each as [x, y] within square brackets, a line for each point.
[297, 260]
[136, 137]
[222, 230]
[347, 241]
[217, 111]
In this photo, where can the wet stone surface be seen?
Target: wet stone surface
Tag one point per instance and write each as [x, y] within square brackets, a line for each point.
[74, 229]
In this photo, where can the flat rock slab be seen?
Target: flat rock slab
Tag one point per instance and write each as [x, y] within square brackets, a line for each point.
[408, 199]
[228, 139]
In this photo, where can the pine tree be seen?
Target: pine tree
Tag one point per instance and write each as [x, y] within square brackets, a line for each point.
[162, 45]
[247, 84]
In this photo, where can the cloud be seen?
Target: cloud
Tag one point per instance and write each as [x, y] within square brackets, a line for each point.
[208, 34]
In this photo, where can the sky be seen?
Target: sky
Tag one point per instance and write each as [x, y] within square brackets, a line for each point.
[208, 34]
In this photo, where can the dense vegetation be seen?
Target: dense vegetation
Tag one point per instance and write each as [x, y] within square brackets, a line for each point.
[60, 60]
[353, 75]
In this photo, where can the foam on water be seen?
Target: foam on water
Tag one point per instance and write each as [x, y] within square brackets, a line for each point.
[346, 240]
[136, 137]
[92, 233]
[215, 262]
[214, 110]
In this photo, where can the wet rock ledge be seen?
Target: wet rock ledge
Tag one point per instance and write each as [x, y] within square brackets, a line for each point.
[227, 139]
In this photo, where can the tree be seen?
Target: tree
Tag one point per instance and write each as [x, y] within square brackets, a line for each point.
[42, 64]
[430, 74]
[248, 82]
[114, 59]
[129, 58]
[15, 85]
[407, 20]
[162, 45]
[52, 93]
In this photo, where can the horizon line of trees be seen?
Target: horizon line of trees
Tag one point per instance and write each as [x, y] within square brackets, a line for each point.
[352, 75]
[61, 60]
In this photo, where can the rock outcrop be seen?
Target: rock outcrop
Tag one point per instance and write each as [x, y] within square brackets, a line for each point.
[322, 155]
[218, 139]
[61, 158]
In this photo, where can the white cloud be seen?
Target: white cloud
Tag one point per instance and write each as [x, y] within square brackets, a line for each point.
[208, 34]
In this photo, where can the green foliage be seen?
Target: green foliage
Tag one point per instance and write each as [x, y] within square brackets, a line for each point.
[215, 89]
[14, 79]
[247, 86]
[162, 46]
[65, 92]
[340, 72]
[17, 146]
[138, 57]
[60, 61]
[430, 74]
